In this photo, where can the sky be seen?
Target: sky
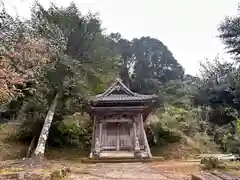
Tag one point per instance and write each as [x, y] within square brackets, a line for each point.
[187, 27]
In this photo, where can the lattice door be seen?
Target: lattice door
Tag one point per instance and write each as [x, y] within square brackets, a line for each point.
[111, 139]
[124, 136]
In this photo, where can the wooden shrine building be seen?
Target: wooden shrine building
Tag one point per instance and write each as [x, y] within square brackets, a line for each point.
[118, 117]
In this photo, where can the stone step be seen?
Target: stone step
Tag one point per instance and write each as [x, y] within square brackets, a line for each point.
[120, 160]
[117, 154]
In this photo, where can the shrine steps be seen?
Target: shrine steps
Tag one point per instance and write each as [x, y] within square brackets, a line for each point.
[120, 157]
[120, 160]
[118, 154]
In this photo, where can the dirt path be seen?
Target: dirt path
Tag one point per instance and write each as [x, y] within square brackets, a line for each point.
[134, 171]
[166, 170]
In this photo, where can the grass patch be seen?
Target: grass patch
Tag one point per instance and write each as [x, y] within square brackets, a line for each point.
[232, 165]
[66, 153]
[234, 172]
[10, 170]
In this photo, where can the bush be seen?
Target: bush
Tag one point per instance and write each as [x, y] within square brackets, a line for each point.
[180, 119]
[27, 130]
[158, 136]
[74, 130]
[170, 123]
[227, 140]
[182, 128]
[210, 163]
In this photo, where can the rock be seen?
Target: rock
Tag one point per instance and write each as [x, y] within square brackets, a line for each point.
[197, 177]
[60, 174]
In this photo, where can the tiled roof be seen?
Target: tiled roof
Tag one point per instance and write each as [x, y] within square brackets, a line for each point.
[123, 97]
[119, 92]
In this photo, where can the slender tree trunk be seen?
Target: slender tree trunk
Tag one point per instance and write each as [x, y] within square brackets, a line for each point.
[30, 147]
[40, 149]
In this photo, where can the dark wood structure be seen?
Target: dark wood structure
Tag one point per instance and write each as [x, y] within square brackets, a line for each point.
[118, 117]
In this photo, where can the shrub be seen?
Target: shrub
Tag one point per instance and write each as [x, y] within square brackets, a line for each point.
[27, 130]
[227, 140]
[74, 130]
[158, 135]
[210, 163]
[170, 124]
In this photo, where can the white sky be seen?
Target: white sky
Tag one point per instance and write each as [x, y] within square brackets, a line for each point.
[187, 27]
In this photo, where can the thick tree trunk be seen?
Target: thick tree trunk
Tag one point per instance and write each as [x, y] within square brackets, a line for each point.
[40, 149]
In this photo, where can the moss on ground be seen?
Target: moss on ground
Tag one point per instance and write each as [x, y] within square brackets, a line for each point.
[10, 170]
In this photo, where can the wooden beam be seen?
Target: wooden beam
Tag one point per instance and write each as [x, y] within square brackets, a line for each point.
[118, 120]
[119, 109]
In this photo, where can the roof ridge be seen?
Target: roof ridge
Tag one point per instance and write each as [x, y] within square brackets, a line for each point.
[127, 92]
[114, 87]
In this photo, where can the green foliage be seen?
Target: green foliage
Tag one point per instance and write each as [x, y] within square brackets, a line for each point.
[209, 163]
[180, 119]
[227, 141]
[78, 67]
[158, 136]
[71, 54]
[28, 130]
[82, 57]
[170, 123]
[229, 33]
[218, 90]
[156, 61]
[238, 126]
[60, 174]
[82, 62]
[73, 130]
[181, 125]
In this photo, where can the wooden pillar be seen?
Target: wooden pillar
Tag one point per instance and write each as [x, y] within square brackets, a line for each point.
[137, 150]
[118, 137]
[145, 137]
[100, 133]
[93, 136]
[134, 132]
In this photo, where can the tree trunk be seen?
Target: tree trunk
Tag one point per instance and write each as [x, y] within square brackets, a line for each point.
[40, 149]
[30, 147]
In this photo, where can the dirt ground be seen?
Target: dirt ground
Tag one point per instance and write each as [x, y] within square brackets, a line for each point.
[166, 170]
[171, 170]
